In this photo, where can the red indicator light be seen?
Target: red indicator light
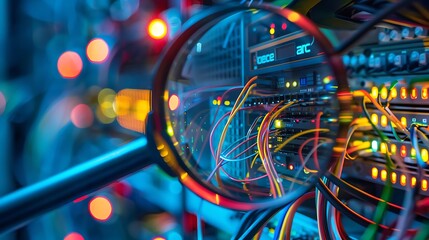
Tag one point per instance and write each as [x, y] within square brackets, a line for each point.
[157, 29]
[284, 26]
[403, 151]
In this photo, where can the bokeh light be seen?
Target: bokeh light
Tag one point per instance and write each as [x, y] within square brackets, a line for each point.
[157, 29]
[132, 107]
[122, 189]
[173, 102]
[82, 116]
[69, 64]
[97, 50]
[2, 103]
[74, 236]
[105, 112]
[158, 238]
[100, 208]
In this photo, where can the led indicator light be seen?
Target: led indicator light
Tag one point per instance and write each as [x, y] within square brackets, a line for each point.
[404, 121]
[393, 93]
[393, 149]
[383, 147]
[383, 175]
[374, 119]
[403, 151]
[414, 93]
[374, 173]
[374, 92]
[403, 93]
[403, 180]
[413, 152]
[383, 93]
[157, 29]
[383, 121]
[413, 181]
[425, 155]
[424, 93]
[424, 185]
[294, 84]
[393, 177]
[374, 145]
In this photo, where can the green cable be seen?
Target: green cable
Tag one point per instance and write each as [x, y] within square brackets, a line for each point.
[386, 194]
[423, 234]
[417, 80]
[282, 3]
[395, 134]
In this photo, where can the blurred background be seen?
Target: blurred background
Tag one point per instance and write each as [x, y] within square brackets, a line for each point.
[62, 66]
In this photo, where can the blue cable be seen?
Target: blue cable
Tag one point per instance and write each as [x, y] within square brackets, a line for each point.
[415, 144]
[282, 218]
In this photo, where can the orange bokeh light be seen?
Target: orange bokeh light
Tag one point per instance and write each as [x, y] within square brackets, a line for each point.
[157, 29]
[100, 208]
[97, 50]
[74, 236]
[174, 102]
[69, 64]
[294, 17]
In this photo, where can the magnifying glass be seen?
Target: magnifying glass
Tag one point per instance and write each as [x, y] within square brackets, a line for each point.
[250, 108]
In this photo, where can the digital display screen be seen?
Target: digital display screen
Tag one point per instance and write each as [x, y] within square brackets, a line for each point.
[286, 51]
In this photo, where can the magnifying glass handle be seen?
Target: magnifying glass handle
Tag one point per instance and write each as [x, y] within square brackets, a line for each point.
[17, 208]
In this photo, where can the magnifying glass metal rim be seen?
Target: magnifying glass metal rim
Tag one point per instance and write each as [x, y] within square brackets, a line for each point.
[160, 96]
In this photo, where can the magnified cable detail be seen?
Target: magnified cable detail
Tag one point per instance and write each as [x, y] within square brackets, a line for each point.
[259, 111]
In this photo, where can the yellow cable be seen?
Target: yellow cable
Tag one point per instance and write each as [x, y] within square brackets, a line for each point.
[382, 110]
[231, 116]
[251, 164]
[262, 147]
[261, 150]
[298, 135]
[287, 222]
[274, 116]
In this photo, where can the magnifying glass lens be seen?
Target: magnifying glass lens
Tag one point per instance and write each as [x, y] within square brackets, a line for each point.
[251, 106]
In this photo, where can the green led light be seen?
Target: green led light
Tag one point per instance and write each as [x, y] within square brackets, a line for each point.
[374, 145]
[327, 79]
[170, 131]
[413, 153]
[278, 124]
